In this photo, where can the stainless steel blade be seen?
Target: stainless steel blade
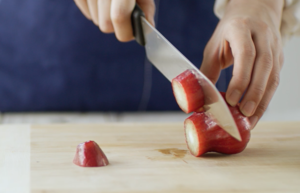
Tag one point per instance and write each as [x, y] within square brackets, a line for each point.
[170, 62]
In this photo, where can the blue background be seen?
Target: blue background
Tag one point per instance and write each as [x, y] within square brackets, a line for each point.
[54, 59]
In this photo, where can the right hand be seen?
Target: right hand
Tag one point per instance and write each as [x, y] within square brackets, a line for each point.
[114, 16]
[248, 36]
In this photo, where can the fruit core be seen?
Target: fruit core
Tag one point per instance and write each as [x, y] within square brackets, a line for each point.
[180, 95]
[192, 138]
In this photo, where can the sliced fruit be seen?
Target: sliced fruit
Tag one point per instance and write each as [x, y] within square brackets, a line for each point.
[188, 92]
[89, 154]
[201, 131]
[204, 135]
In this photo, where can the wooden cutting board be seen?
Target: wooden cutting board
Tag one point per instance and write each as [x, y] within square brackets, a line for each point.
[145, 158]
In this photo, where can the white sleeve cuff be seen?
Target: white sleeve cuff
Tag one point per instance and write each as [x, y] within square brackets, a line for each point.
[290, 23]
[219, 7]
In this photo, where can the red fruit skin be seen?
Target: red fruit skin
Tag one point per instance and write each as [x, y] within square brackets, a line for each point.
[192, 89]
[212, 138]
[89, 154]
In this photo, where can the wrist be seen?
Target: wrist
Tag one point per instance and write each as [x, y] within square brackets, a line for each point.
[274, 5]
[258, 8]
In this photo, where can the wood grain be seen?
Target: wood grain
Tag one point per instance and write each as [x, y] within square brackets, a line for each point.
[154, 158]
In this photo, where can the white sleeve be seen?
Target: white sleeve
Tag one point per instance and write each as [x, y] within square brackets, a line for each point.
[290, 23]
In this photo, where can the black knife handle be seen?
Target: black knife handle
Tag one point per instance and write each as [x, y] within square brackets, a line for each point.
[137, 27]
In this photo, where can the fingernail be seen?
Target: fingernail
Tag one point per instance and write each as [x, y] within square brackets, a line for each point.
[234, 97]
[248, 108]
[253, 120]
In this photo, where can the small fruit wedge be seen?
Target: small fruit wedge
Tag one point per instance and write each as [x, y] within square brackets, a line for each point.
[188, 91]
[204, 135]
[89, 154]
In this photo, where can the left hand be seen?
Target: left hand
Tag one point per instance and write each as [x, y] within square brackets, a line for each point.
[114, 16]
[249, 36]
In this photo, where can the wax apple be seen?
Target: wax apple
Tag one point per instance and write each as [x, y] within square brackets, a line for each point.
[204, 135]
[188, 92]
[89, 154]
[202, 132]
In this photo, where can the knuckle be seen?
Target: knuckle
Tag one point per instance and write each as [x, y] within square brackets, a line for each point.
[248, 51]
[242, 82]
[106, 26]
[261, 108]
[264, 27]
[267, 58]
[257, 91]
[244, 21]
[275, 80]
[119, 16]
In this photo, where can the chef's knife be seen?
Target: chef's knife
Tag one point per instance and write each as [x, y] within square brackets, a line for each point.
[170, 62]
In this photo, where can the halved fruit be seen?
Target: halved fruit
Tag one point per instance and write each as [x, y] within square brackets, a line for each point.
[188, 92]
[204, 135]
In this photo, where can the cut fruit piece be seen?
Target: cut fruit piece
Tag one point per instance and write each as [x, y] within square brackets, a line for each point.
[201, 131]
[204, 135]
[188, 92]
[89, 154]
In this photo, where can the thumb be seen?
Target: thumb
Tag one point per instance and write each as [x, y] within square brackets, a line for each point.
[148, 7]
[210, 67]
[215, 58]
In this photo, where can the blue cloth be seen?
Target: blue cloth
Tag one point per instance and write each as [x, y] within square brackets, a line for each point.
[54, 59]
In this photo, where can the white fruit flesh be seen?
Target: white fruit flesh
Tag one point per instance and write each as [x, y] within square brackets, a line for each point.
[191, 137]
[180, 96]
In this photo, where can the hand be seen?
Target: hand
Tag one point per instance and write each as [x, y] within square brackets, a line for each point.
[114, 16]
[248, 36]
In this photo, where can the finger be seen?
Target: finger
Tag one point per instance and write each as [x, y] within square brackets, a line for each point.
[281, 56]
[93, 8]
[82, 5]
[148, 7]
[243, 52]
[211, 66]
[105, 23]
[263, 66]
[120, 13]
[271, 88]
[272, 85]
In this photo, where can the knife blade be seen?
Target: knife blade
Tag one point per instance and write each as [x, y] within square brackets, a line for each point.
[171, 62]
